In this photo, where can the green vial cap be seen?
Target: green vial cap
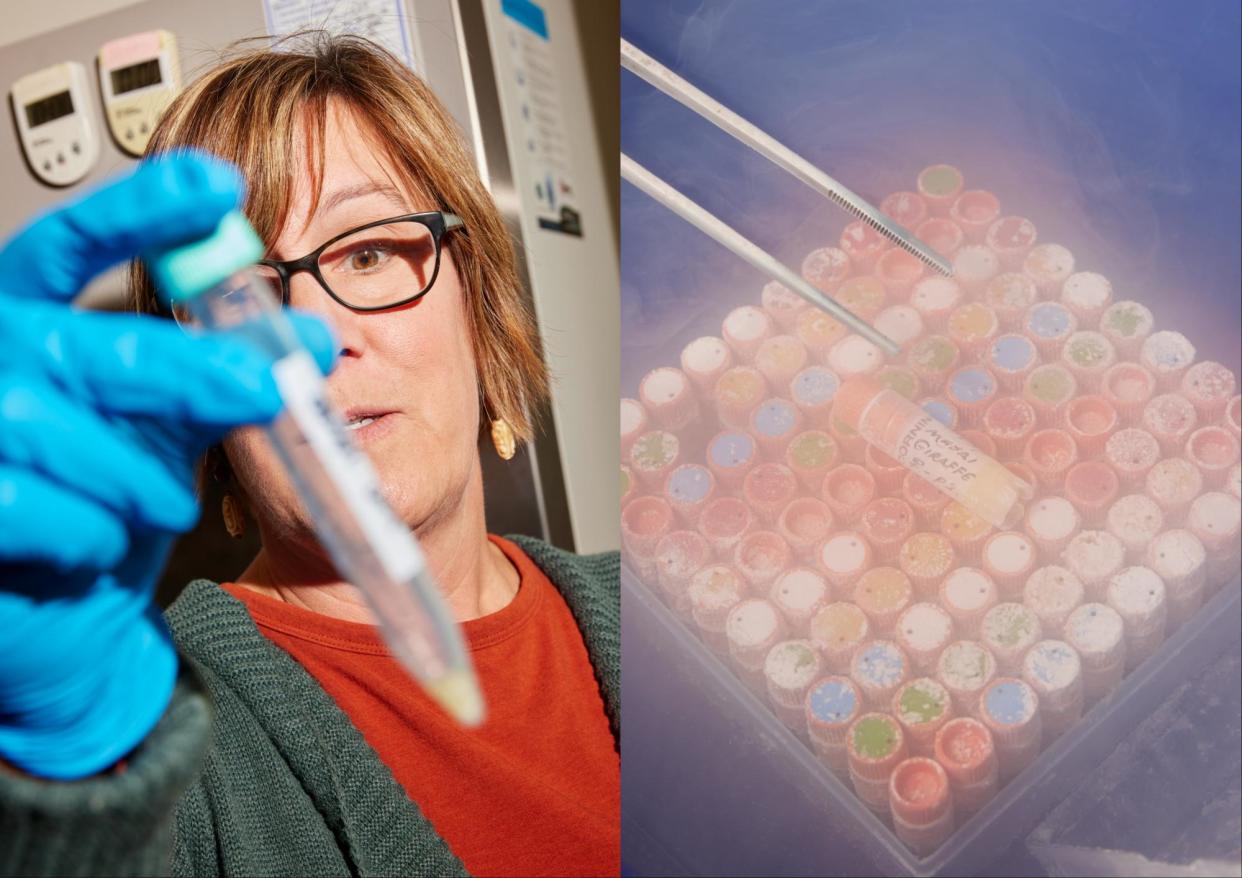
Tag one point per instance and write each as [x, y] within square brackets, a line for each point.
[185, 271]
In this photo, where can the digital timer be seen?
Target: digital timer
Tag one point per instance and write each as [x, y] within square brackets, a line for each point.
[139, 75]
[56, 123]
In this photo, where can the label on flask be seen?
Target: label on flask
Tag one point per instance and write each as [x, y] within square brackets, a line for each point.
[349, 470]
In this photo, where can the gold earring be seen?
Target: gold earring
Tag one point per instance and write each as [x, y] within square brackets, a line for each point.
[503, 439]
[234, 518]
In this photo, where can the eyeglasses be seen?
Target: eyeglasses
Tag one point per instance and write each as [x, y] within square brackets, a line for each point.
[384, 264]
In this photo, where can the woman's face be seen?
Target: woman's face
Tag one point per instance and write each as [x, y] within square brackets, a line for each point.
[410, 368]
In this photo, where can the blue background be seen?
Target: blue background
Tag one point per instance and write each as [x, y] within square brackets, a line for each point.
[1113, 125]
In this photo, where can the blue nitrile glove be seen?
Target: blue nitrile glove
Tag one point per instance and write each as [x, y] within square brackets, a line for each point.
[101, 419]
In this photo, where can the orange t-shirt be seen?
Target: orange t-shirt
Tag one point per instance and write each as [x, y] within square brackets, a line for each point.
[537, 789]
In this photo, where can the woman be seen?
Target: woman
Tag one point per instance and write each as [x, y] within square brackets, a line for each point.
[318, 755]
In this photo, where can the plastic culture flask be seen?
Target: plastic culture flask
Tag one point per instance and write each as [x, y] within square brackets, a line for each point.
[213, 283]
[940, 456]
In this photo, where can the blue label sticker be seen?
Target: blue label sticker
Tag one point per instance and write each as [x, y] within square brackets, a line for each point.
[529, 15]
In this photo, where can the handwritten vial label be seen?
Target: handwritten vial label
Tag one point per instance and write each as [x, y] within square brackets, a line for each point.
[932, 450]
[921, 443]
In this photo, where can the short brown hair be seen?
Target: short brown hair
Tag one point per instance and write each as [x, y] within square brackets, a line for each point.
[248, 109]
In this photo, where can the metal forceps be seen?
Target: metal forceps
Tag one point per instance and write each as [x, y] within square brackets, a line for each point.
[656, 74]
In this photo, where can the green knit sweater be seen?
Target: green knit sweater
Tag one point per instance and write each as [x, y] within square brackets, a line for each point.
[254, 770]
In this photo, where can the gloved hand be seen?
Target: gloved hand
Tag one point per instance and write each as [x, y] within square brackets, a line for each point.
[101, 419]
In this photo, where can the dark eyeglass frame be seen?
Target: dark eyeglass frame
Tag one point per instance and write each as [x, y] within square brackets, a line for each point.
[436, 221]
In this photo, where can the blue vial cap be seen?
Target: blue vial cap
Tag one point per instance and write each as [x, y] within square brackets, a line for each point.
[187, 270]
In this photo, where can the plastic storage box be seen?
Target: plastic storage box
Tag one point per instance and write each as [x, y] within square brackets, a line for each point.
[799, 817]
[720, 786]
